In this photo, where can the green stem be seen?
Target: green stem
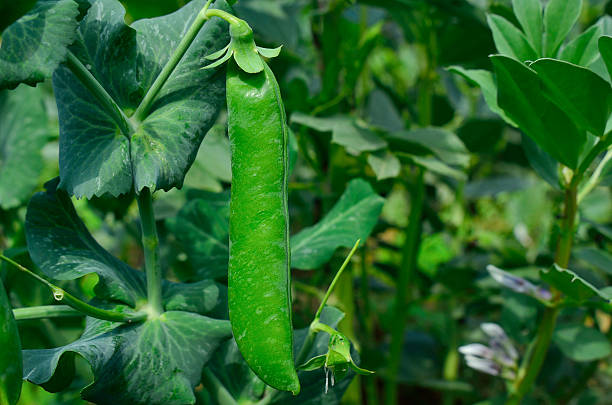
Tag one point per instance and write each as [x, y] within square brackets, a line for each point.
[61, 295]
[595, 177]
[216, 389]
[150, 247]
[107, 102]
[146, 103]
[232, 19]
[530, 368]
[406, 277]
[45, 311]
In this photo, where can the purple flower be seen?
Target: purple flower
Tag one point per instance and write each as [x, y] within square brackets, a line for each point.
[518, 284]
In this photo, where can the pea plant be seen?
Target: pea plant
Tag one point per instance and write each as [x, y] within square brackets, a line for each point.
[134, 103]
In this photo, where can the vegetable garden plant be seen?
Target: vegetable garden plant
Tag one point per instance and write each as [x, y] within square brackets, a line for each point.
[470, 185]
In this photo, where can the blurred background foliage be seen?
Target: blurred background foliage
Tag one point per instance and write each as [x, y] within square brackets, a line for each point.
[360, 81]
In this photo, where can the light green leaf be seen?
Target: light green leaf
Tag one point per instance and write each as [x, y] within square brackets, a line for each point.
[326, 124]
[23, 133]
[95, 157]
[218, 54]
[156, 362]
[245, 50]
[484, 80]
[605, 49]
[36, 44]
[584, 96]
[10, 361]
[582, 50]
[509, 40]
[595, 257]
[520, 95]
[529, 14]
[559, 18]
[443, 144]
[352, 217]
[269, 52]
[437, 166]
[213, 162]
[573, 286]
[581, 343]
[385, 165]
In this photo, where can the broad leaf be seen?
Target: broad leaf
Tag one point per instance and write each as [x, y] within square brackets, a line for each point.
[10, 361]
[95, 157]
[584, 96]
[353, 217]
[385, 165]
[23, 133]
[573, 286]
[158, 361]
[582, 50]
[484, 80]
[36, 44]
[595, 257]
[202, 227]
[509, 40]
[443, 144]
[605, 48]
[581, 343]
[345, 132]
[520, 95]
[559, 18]
[529, 14]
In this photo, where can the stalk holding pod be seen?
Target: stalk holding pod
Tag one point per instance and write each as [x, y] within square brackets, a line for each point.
[259, 264]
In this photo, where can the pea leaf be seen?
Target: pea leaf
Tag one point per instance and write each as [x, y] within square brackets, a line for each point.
[37, 43]
[23, 133]
[352, 217]
[158, 361]
[520, 95]
[584, 96]
[559, 18]
[529, 14]
[385, 165]
[509, 40]
[581, 343]
[10, 361]
[573, 286]
[96, 158]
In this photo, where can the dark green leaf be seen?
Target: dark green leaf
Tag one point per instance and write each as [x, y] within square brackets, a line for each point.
[581, 343]
[23, 133]
[595, 257]
[520, 95]
[10, 360]
[95, 158]
[605, 49]
[559, 18]
[158, 361]
[543, 164]
[573, 286]
[529, 14]
[36, 44]
[353, 217]
[584, 96]
[509, 40]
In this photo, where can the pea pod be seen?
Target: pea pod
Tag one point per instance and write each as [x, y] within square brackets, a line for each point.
[10, 353]
[259, 271]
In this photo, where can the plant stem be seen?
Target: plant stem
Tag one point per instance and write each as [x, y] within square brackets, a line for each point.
[406, 277]
[150, 247]
[45, 311]
[90, 82]
[216, 389]
[175, 58]
[595, 177]
[61, 295]
[530, 368]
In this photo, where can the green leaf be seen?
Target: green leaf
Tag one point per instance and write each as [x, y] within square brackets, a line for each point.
[202, 227]
[385, 165]
[559, 18]
[595, 257]
[484, 80]
[605, 49]
[543, 164]
[509, 40]
[346, 132]
[95, 157]
[520, 95]
[212, 165]
[269, 52]
[573, 286]
[581, 343]
[37, 43]
[23, 133]
[584, 96]
[443, 144]
[529, 14]
[582, 50]
[314, 363]
[158, 361]
[437, 166]
[353, 217]
[10, 361]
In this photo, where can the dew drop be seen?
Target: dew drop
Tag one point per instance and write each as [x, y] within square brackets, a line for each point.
[58, 295]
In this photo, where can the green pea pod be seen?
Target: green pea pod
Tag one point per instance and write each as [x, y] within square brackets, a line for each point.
[10, 353]
[259, 272]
